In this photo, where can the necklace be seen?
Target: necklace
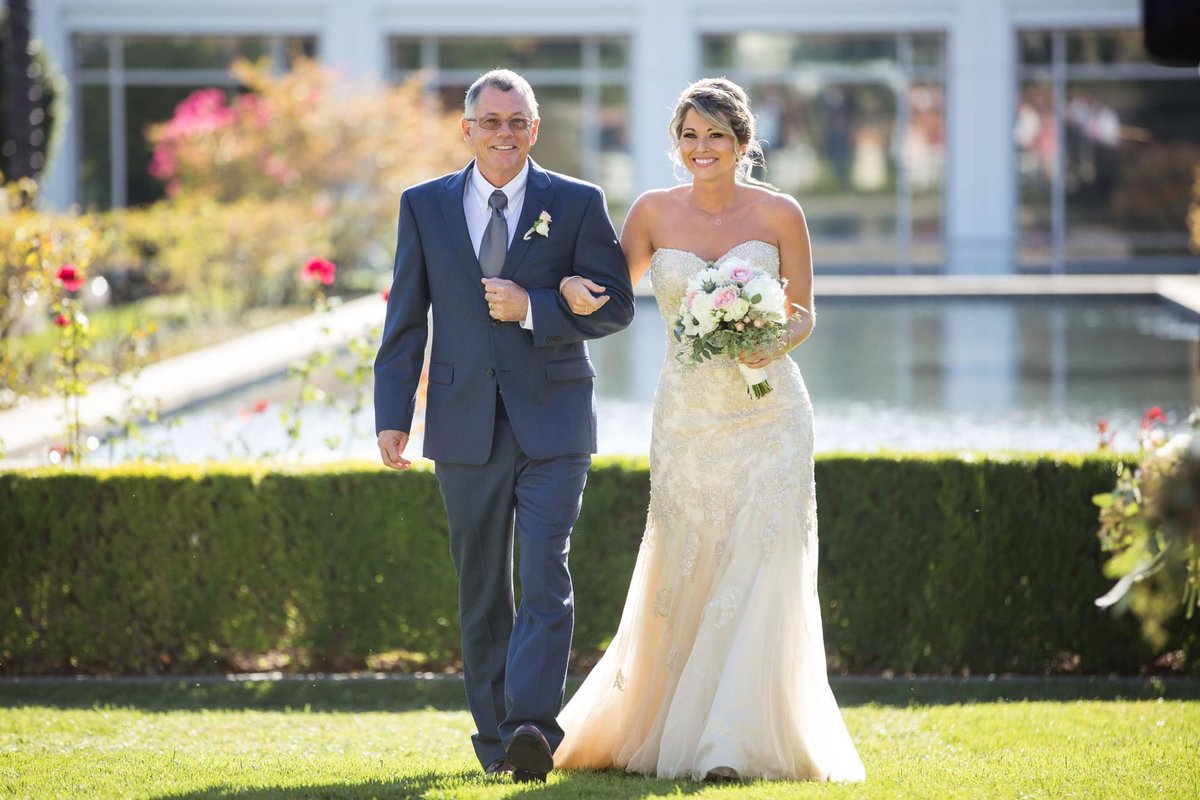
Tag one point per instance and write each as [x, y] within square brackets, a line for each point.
[716, 219]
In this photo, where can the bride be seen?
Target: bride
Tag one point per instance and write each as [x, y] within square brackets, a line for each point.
[717, 670]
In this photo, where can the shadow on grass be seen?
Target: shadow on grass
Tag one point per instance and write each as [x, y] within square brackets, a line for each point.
[583, 785]
[446, 694]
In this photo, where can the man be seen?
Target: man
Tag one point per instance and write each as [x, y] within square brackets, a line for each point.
[510, 415]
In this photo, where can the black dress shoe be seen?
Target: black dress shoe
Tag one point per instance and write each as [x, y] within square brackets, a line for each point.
[530, 756]
[722, 775]
[498, 768]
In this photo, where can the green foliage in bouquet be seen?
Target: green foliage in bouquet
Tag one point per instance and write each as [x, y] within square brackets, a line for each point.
[1150, 522]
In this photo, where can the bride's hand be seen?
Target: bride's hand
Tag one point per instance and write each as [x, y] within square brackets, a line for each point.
[582, 295]
[758, 359]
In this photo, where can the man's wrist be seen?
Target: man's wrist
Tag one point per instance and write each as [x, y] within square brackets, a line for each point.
[565, 280]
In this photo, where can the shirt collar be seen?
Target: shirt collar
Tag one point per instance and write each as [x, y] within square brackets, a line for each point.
[481, 190]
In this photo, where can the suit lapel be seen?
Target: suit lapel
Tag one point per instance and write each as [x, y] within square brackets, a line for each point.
[538, 194]
[456, 218]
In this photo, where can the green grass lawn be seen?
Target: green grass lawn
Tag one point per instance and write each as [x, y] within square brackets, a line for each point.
[394, 738]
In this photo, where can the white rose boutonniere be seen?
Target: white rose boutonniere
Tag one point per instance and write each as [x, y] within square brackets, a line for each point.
[541, 226]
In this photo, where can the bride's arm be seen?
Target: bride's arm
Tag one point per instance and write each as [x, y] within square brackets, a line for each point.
[635, 235]
[795, 266]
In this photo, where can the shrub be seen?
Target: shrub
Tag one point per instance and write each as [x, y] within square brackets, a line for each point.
[928, 563]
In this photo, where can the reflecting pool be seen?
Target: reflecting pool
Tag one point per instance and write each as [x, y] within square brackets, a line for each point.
[903, 374]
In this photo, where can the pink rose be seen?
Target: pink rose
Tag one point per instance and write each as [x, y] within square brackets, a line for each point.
[320, 269]
[72, 280]
[725, 297]
[742, 275]
[690, 297]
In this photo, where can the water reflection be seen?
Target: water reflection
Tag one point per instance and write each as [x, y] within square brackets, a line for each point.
[895, 374]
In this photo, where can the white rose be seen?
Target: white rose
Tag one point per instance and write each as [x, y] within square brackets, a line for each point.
[707, 317]
[772, 301]
[737, 309]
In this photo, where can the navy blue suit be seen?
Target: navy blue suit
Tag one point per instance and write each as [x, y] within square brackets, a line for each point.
[510, 422]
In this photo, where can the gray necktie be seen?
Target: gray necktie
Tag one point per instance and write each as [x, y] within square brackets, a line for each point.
[495, 237]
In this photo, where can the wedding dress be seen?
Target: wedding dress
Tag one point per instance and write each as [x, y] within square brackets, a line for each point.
[719, 659]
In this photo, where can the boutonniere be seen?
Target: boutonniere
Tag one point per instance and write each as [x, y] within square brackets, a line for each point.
[541, 226]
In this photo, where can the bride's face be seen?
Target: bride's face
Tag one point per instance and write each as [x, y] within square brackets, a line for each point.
[707, 152]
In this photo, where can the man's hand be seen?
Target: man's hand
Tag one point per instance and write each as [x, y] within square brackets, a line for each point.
[582, 295]
[391, 449]
[507, 302]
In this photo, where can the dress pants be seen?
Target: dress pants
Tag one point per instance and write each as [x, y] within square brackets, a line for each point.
[514, 663]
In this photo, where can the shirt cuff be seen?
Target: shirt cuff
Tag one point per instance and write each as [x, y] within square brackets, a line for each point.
[527, 323]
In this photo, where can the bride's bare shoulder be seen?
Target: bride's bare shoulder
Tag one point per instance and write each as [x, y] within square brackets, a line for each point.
[779, 210]
[658, 200]
[655, 207]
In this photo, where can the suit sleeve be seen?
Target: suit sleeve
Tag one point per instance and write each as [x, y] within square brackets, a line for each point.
[598, 256]
[405, 329]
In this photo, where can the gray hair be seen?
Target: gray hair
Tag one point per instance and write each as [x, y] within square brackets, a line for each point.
[506, 81]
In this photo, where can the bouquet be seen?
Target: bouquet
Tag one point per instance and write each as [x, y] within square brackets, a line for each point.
[729, 310]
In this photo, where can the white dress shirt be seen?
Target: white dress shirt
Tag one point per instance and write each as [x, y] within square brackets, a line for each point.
[479, 212]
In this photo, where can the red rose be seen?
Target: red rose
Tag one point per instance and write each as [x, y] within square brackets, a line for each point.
[260, 406]
[385, 294]
[62, 320]
[70, 277]
[320, 269]
[1152, 416]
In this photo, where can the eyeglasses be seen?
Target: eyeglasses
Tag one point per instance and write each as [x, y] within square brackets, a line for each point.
[516, 124]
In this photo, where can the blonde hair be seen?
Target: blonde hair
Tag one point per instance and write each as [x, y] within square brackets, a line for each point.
[725, 106]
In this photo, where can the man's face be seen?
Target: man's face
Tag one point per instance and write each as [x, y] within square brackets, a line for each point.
[500, 154]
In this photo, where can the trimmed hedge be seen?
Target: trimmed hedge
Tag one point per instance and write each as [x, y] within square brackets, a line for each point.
[928, 564]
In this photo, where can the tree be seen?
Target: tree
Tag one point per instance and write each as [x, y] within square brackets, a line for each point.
[20, 130]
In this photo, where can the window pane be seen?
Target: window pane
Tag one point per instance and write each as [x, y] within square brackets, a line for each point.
[827, 111]
[717, 52]
[1105, 47]
[925, 159]
[147, 105]
[405, 54]
[929, 50]
[516, 54]
[1034, 47]
[95, 166]
[1036, 140]
[559, 136]
[614, 53]
[616, 164]
[453, 95]
[180, 52]
[1130, 152]
[845, 49]
[91, 52]
[299, 46]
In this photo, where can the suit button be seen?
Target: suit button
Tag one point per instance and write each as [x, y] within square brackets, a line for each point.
[491, 372]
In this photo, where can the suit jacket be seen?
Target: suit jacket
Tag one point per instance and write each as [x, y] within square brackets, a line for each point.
[545, 375]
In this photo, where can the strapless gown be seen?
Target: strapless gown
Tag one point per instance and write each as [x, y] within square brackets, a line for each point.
[719, 659]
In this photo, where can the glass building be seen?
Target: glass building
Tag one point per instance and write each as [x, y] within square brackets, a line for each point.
[921, 136]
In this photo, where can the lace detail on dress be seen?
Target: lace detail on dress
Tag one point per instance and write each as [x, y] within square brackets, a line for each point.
[724, 606]
[691, 547]
[662, 602]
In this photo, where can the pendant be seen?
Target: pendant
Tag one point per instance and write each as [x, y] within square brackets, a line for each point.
[718, 220]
